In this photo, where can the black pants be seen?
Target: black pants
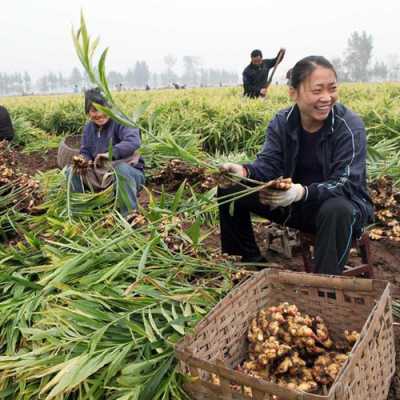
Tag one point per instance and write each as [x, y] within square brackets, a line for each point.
[334, 222]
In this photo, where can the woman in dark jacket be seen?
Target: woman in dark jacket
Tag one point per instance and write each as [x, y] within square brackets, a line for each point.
[322, 146]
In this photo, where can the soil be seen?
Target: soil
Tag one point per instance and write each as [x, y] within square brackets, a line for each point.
[36, 161]
[385, 252]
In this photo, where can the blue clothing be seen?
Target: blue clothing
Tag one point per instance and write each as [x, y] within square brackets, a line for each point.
[125, 141]
[341, 150]
[131, 181]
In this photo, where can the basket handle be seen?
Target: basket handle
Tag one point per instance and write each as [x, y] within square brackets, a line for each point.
[328, 281]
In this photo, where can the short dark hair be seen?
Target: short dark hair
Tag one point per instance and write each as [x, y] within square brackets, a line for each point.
[94, 95]
[304, 68]
[256, 53]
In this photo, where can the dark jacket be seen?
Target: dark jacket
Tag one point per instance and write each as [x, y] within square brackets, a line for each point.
[342, 151]
[255, 77]
[6, 127]
[125, 141]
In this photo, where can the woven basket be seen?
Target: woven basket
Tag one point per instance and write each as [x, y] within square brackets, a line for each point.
[68, 148]
[219, 342]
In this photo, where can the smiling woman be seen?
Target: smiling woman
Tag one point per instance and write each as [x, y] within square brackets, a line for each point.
[321, 146]
[107, 146]
[313, 88]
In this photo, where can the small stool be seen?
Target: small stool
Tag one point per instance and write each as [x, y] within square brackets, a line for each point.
[281, 239]
[361, 244]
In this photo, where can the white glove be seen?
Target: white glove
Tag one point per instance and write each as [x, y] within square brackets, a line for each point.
[281, 198]
[100, 159]
[225, 181]
[232, 168]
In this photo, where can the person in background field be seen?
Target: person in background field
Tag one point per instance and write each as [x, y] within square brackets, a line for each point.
[98, 133]
[6, 127]
[321, 145]
[255, 75]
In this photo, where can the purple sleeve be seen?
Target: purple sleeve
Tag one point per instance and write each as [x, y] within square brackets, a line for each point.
[85, 146]
[129, 142]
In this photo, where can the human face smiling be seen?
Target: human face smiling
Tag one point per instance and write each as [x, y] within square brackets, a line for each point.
[97, 117]
[315, 97]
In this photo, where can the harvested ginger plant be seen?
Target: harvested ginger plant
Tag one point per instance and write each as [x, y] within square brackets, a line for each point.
[387, 209]
[279, 184]
[175, 172]
[294, 350]
[16, 189]
[81, 165]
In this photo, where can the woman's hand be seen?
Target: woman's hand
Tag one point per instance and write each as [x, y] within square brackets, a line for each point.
[230, 168]
[281, 198]
[100, 159]
[235, 169]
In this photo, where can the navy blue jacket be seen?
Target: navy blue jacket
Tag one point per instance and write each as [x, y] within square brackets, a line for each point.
[342, 151]
[255, 77]
[125, 141]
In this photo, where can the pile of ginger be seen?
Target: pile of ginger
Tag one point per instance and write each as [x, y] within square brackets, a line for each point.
[294, 350]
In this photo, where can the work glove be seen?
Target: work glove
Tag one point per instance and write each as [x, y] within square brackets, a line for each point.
[281, 198]
[100, 159]
[231, 168]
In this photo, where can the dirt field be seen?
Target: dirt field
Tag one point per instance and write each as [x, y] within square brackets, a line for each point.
[31, 163]
[385, 253]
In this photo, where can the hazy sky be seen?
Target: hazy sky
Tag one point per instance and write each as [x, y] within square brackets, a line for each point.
[35, 35]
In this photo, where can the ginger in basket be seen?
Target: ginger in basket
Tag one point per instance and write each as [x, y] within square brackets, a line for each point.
[351, 337]
[293, 349]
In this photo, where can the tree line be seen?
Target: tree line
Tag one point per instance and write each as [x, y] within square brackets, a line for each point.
[138, 77]
[355, 65]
